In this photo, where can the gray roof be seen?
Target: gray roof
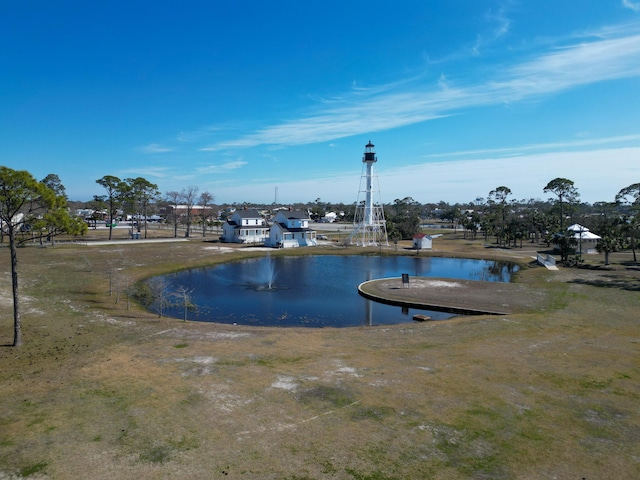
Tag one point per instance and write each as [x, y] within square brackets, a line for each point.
[249, 213]
[292, 230]
[294, 214]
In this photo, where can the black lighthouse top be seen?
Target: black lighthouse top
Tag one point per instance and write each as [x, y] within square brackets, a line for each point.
[369, 153]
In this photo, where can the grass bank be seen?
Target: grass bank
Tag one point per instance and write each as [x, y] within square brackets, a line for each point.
[104, 389]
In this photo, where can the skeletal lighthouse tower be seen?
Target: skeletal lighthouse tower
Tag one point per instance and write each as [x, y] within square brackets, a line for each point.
[369, 226]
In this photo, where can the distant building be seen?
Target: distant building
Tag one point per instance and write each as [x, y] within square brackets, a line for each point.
[330, 217]
[181, 210]
[85, 212]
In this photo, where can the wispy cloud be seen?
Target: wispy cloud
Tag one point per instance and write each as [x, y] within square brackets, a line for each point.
[482, 173]
[199, 134]
[225, 167]
[573, 66]
[540, 147]
[475, 176]
[147, 171]
[155, 148]
[635, 6]
[590, 61]
[500, 27]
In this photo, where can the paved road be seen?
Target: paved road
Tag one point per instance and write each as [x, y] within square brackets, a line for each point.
[132, 242]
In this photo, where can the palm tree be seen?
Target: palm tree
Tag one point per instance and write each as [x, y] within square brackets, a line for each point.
[610, 238]
[566, 243]
[630, 227]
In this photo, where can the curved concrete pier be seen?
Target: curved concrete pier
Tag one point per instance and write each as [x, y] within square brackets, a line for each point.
[465, 297]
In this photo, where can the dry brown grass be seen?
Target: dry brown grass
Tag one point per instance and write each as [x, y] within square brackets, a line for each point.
[104, 392]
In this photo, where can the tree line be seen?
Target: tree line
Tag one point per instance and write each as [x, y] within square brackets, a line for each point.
[510, 222]
[41, 209]
[140, 198]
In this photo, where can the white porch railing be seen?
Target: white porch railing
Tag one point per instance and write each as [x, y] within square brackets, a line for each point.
[546, 260]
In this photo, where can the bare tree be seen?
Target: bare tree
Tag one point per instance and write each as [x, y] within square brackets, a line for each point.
[119, 281]
[159, 295]
[189, 196]
[174, 198]
[111, 274]
[183, 294]
[129, 289]
[206, 199]
[123, 284]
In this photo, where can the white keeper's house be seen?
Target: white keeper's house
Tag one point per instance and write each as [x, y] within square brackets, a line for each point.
[245, 226]
[291, 229]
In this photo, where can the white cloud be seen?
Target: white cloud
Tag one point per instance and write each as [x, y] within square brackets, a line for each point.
[146, 171]
[501, 25]
[518, 150]
[598, 175]
[549, 73]
[225, 167]
[573, 66]
[635, 6]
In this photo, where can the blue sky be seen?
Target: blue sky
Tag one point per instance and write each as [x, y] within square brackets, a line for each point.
[240, 97]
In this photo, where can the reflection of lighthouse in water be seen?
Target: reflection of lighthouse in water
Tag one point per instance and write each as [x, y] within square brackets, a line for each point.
[369, 226]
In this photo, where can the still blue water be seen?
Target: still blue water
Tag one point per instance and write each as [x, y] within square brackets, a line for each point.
[314, 291]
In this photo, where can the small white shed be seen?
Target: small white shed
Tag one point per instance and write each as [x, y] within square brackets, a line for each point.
[423, 241]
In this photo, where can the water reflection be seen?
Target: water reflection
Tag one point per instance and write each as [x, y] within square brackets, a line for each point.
[315, 291]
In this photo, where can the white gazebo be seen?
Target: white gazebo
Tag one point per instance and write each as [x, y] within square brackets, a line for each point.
[586, 240]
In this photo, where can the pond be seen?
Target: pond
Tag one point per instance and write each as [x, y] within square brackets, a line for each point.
[313, 291]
